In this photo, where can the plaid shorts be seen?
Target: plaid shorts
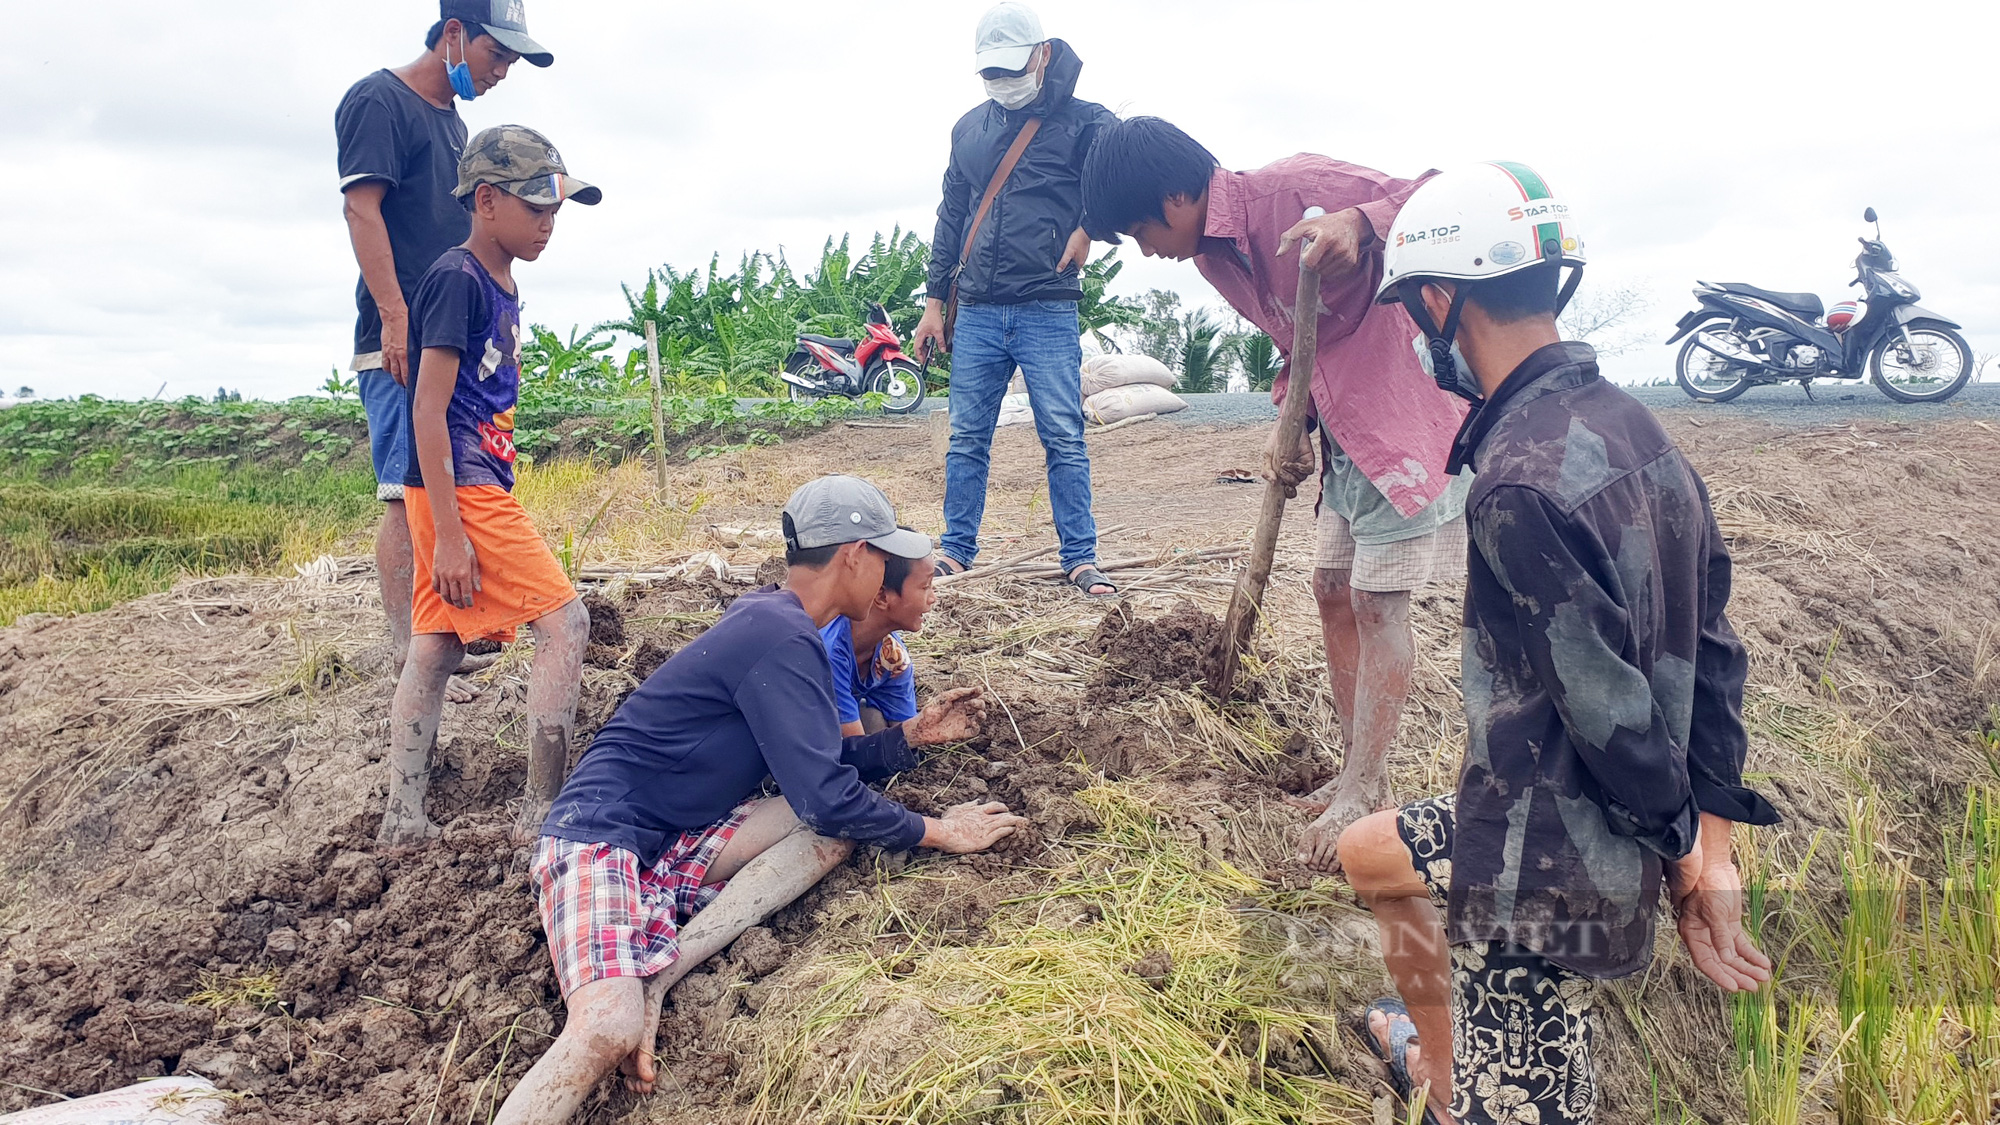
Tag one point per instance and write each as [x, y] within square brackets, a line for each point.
[1403, 564]
[605, 917]
[1520, 1023]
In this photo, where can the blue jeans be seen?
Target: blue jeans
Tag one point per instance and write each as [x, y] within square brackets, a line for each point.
[988, 342]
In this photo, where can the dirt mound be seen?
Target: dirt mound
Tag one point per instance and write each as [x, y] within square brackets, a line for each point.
[1142, 656]
[189, 783]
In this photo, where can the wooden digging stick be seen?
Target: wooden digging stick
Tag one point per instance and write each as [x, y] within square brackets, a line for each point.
[1248, 597]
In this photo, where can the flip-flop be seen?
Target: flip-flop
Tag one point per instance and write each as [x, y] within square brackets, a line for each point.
[1086, 576]
[945, 566]
[1401, 1030]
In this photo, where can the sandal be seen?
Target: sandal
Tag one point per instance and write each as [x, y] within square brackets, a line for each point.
[945, 566]
[1401, 1032]
[1086, 576]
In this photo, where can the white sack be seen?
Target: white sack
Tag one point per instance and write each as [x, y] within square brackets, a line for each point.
[1014, 409]
[1103, 372]
[1120, 403]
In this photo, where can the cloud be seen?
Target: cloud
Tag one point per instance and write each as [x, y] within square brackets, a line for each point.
[187, 228]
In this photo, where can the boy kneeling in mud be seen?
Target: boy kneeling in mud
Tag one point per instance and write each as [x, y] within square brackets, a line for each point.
[481, 568]
[874, 679]
[662, 811]
[1603, 689]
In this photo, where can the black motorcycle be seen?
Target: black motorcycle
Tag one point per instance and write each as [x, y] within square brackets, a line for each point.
[1743, 337]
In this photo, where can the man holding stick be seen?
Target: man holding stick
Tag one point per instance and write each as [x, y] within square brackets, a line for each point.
[1390, 517]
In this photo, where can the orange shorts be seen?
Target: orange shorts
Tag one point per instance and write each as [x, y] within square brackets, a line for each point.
[519, 578]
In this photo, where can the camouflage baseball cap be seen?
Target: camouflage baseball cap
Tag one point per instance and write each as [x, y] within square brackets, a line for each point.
[504, 20]
[522, 163]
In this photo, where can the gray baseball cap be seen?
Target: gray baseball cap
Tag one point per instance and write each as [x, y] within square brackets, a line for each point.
[504, 20]
[842, 509]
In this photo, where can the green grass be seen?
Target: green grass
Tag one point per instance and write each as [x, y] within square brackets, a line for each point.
[75, 543]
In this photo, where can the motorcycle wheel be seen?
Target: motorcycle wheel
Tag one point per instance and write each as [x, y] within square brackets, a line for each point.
[901, 383]
[1936, 368]
[1705, 376]
[803, 366]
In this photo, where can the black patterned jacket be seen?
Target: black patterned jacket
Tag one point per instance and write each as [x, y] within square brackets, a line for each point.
[1603, 683]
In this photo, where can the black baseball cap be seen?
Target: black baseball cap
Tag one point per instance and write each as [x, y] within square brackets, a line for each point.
[505, 20]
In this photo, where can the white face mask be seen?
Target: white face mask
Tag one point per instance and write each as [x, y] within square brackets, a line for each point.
[1013, 93]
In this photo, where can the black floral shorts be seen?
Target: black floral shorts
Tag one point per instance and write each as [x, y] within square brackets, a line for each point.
[1520, 1023]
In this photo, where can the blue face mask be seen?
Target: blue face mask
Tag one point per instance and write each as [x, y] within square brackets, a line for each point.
[1459, 381]
[460, 75]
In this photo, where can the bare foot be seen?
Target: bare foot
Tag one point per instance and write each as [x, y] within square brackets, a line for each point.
[640, 1068]
[397, 832]
[1316, 801]
[1319, 844]
[1434, 1100]
[460, 690]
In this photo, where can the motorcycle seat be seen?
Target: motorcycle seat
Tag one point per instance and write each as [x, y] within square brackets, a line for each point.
[1805, 304]
[827, 341]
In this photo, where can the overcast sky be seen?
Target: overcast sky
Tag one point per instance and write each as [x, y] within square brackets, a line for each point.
[176, 221]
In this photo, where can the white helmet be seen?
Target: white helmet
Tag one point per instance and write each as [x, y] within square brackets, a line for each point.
[1470, 224]
[1486, 220]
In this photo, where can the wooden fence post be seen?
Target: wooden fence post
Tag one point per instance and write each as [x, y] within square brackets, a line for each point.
[659, 419]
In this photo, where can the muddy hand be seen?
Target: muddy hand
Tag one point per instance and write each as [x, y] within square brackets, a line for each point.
[1332, 243]
[455, 572]
[971, 827]
[954, 716]
[1289, 468]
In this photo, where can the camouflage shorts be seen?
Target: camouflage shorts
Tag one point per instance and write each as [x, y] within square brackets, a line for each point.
[1520, 1023]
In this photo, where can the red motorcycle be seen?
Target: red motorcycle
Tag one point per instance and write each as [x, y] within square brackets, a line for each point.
[824, 365]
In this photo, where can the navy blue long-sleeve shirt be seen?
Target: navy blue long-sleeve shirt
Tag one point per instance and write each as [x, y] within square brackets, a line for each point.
[751, 696]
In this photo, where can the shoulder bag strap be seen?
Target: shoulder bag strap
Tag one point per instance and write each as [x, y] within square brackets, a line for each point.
[993, 186]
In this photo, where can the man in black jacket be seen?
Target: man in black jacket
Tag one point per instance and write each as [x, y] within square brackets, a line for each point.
[1018, 286]
[1603, 689]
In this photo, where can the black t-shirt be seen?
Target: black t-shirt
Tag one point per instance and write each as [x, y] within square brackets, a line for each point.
[388, 132]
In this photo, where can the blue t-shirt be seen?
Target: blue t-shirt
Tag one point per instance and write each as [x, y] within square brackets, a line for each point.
[893, 694]
[751, 696]
[459, 305]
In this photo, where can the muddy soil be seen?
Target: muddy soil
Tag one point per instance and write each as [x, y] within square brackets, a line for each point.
[1141, 656]
[191, 780]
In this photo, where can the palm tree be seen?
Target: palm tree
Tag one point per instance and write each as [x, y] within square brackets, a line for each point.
[1258, 355]
[1204, 353]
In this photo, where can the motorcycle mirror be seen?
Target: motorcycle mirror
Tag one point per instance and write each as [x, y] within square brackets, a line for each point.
[1868, 216]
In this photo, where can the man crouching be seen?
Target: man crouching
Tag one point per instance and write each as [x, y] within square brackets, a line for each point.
[661, 812]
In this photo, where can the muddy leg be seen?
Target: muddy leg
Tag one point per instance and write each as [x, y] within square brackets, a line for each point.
[771, 860]
[1382, 684]
[395, 568]
[553, 683]
[1413, 946]
[1343, 660]
[413, 727]
[603, 1024]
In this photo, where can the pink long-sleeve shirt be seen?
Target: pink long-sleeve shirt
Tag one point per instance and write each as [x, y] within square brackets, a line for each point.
[1368, 389]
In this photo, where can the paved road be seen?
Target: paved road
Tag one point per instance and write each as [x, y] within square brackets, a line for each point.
[1786, 405]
